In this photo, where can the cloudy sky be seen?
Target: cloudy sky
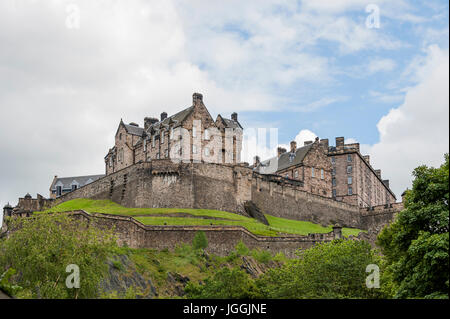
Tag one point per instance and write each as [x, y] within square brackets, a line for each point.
[373, 71]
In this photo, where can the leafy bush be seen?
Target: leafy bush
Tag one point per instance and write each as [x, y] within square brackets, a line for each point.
[42, 247]
[200, 241]
[241, 249]
[224, 284]
[328, 270]
[262, 256]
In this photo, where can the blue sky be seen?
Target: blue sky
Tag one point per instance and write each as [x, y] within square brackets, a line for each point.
[70, 70]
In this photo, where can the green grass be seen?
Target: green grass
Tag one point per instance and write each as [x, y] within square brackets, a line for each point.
[158, 216]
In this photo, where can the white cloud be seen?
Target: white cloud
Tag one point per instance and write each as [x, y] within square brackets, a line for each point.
[416, 132]
[382, 65]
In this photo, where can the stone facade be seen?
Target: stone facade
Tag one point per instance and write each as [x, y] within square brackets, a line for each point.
[162, 183]
[191, 135]
[354, 180]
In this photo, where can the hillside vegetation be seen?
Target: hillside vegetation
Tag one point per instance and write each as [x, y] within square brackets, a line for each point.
[186, 216]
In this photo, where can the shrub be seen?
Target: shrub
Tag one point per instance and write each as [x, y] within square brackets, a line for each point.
[200, 241]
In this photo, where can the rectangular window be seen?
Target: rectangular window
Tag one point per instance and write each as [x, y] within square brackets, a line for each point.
[350, 191]
[349, 158]
[58, 190]
[157, 156]
[333, 160]
[349, 180]
[162, 137]
[167, 153]
[312, 171]
[334, 182]
[334, 193]
[153, 141]
[296, 174]
[194, 149]
[74, 187]
[349, 169]
[322, 174]
[207, 151]
[206, 134]
[194, 131]
[171, 133]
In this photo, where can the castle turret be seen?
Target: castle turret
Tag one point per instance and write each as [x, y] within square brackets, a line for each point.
[7, 210]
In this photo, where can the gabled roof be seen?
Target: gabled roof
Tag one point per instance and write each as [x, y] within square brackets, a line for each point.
[80, 181]
[175, 119]
[228, 123]
[284, 161]
[134, 130]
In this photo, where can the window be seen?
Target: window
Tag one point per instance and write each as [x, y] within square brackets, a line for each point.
[162, 137]
[349, 180]
[145, 145]
[333, 160]
[120, 136]
[333, 172]
[349, 158]
[296, 173]
[74, 187]
[167, 153]
[322, 175]
[110, 161]
[206, 134]
[153, 141]
[349, 169]
[171, 133]
[194, 131]
[207, 151]
[312, 171]
[350, 191]
[194, 149]
[157, 156]
[334, 182]
[334, 193]
[58, 190]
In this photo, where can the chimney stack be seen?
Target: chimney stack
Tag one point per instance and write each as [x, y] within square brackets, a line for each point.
[293, 146]
[163, 116]
[280, 151]
[367, 158]
[234, 117]
[324, 143]
[256, 161]
[339, 141]
[148, 121]
[378, 172]
[197, 97]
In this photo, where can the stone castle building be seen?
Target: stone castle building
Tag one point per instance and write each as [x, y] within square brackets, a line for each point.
[64, 185]
[339, 172]
[189, 135]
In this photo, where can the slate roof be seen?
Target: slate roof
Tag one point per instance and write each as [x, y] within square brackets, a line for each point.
[81, 180]
[231, 123]
[134, 130]
[285, 160]
[176, 119]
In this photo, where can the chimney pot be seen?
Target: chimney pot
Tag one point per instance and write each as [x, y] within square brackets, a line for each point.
[197, 97]
[234, 117]
[281, 150]
[256, 161]
[163, 116]
[293, 146]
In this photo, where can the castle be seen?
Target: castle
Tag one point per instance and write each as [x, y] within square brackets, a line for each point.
[189, 160]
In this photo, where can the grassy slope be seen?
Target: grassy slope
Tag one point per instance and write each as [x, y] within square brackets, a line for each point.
[158, 216]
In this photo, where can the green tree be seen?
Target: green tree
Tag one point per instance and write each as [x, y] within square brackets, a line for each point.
[200, 241]
[41, 248]
[224, 284]
[328, 270]
[416, 244]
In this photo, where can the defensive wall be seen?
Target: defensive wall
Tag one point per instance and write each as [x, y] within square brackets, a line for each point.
[221, 239]
[165, 184]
